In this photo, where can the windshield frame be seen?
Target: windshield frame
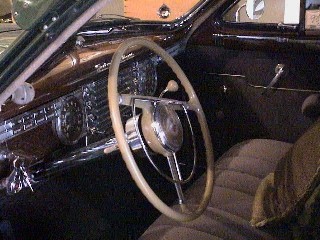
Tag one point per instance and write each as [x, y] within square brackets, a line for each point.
[32, 43]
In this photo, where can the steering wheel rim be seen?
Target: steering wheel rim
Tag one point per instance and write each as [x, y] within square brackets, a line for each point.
[113, 97]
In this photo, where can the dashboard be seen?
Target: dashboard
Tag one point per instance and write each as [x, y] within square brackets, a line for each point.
[85, 111]
[78, 121]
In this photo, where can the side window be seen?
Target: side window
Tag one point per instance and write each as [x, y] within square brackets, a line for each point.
[264, 12]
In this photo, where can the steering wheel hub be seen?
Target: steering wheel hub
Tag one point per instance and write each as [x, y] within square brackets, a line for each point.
[168, 128]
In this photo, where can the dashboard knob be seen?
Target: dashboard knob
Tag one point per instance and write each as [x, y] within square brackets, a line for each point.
[171, 87]
[23, 94]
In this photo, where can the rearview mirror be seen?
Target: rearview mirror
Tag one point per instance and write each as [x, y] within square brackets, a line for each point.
[255, 9]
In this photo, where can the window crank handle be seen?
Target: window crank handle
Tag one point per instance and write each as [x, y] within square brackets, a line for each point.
[279, 72]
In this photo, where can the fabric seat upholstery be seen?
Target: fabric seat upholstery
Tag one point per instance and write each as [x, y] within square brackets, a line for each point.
[238, 174]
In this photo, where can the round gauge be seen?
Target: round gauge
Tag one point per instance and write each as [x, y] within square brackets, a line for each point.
[69, 125]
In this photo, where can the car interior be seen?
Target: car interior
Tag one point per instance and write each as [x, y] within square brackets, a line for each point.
[192, 121]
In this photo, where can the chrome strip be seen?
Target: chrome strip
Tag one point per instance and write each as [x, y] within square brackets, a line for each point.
[283, 89]
[264, 38]
[227, 75]
[41, 170]
[242, 78]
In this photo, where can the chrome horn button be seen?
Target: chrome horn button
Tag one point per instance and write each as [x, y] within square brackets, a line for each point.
[168, 128]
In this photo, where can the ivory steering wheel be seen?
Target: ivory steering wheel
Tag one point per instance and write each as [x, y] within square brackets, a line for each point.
[153, 141]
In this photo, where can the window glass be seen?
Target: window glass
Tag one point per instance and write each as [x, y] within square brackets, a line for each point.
[312, 4]
[148, 10]
[273, 12]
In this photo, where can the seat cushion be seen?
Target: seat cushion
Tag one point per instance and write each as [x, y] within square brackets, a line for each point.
[238, 175]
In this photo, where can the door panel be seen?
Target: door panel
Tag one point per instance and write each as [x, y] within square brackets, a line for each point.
[232, 65]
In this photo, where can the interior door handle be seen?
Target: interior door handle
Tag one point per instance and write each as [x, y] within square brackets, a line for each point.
[279, 70]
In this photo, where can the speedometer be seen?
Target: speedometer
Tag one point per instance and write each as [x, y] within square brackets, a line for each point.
[69, 124]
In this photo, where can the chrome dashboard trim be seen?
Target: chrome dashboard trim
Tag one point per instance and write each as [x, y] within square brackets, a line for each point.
[137, 77]
[25, 122]
[42, 169]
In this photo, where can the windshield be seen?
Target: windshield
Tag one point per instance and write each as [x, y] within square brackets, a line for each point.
[17, 16]
[148, 10]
